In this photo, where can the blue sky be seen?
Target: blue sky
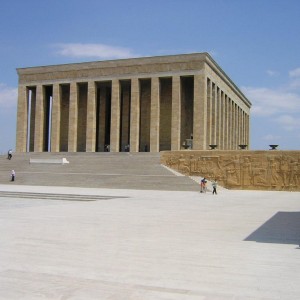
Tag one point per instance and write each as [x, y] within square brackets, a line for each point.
[257, 43]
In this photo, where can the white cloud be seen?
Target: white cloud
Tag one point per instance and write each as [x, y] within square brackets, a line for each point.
[99, 51]
[295, 73]
[294, 79]
[295, 84]
[279, 106]
[8, 97]
[289, 122]
[272, 73]
[267, 102]
[271, 137]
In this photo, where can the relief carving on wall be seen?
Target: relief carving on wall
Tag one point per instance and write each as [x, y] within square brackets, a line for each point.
[262, 170]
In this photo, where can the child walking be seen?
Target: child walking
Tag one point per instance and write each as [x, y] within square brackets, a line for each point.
[214, 186]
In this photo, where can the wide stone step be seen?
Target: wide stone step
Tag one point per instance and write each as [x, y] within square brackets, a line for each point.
[95, 170]
[54, 196]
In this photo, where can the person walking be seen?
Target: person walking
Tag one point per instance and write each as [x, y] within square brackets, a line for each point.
[214, 186]
[9, 154]
[203, 185]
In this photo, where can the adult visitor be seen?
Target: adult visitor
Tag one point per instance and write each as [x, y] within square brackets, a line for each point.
[9, 154]
[13, 175]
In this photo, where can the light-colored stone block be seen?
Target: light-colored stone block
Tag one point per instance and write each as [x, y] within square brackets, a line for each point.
[244, 169]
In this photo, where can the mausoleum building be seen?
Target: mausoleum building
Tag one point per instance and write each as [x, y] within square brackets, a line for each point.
[139, 104]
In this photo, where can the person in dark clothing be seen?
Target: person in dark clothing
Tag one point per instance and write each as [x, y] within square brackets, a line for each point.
[9, 154]
[214, 186]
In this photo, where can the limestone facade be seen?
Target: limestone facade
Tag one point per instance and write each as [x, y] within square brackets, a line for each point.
[142, 104]
[240, 169]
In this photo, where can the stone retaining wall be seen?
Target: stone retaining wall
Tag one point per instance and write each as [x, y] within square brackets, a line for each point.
[242, 169]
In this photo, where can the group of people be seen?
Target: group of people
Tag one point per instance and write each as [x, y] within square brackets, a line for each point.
[9, 157]
[203, 187]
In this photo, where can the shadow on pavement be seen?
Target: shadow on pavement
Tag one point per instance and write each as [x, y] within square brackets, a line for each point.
[282, 228]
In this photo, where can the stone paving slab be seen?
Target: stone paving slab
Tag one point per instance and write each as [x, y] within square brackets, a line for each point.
[149, 245]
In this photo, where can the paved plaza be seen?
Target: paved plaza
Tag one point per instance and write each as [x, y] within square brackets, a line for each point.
[78, 243]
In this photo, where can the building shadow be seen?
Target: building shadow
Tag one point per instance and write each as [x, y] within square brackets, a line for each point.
[282, 228]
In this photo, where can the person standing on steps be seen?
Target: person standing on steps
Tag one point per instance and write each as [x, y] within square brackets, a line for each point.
[9, 154]
[13, 175]
[214, 186]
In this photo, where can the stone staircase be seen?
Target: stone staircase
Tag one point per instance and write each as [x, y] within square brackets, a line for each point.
[124, 170]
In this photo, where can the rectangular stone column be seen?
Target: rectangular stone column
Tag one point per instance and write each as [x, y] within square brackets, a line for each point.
[226, 121]
[248, 130]
[219, 119]
[56, 116]
[176, 113]
[233, 126]
[73, 118]
[223, 121]
[222, 126]
[230, 124]
[200, 109]
[214, 114]
[22, 119]
[155, 111]
[101, 118]
[240, 141]
[209, 113]
[115, 117]
[91, 118]
[135, 116]
[236, 129]
[244, 128]
[39, 119]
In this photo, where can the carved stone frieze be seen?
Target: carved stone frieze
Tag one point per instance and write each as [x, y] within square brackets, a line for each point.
[242, 169]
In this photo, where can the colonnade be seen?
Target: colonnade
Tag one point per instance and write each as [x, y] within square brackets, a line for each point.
[140, 114]
[228, 122]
